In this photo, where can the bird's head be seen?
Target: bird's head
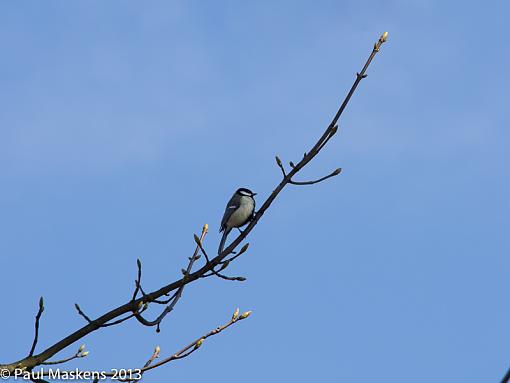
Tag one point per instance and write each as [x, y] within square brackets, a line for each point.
[245, 192]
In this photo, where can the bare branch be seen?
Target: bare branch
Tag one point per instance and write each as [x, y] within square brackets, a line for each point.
[308, 156]
[183, 352]
[132, 305]
[506, 378]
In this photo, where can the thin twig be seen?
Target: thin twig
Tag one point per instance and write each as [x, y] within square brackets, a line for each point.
[119, 321]
[195, 345]
[65, 360]
[109, 324]
[334, 173]
[157, 322]
[158, 301]
[227, 278]
[198, 241]
[153, 357]
[80, 353]
[224, 265]
[37, 319]
[138, 279]
[80, 312]
[280, 165]
[241, 252]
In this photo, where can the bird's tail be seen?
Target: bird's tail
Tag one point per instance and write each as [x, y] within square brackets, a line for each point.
[223, 239]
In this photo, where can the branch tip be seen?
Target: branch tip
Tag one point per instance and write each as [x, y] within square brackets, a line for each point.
[37, 319]
[245, 315]
[280, 165]
[243, 249]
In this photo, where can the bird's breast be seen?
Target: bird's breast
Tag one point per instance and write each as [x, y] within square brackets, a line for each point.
[243, 213]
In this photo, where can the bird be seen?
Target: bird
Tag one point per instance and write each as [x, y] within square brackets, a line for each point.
[239, 211]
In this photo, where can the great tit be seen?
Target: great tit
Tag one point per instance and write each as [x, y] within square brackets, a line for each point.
[239, 211]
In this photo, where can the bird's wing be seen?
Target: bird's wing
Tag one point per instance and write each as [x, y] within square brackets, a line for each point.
[232, 205]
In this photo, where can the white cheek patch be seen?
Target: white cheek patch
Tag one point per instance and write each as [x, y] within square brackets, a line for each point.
[242, 192]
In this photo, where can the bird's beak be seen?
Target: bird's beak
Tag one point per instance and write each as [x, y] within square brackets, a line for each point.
[254, 194]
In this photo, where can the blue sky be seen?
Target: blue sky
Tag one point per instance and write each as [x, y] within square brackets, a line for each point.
[125, 126]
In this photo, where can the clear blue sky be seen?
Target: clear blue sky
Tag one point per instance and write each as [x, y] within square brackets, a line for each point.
[126, 125]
